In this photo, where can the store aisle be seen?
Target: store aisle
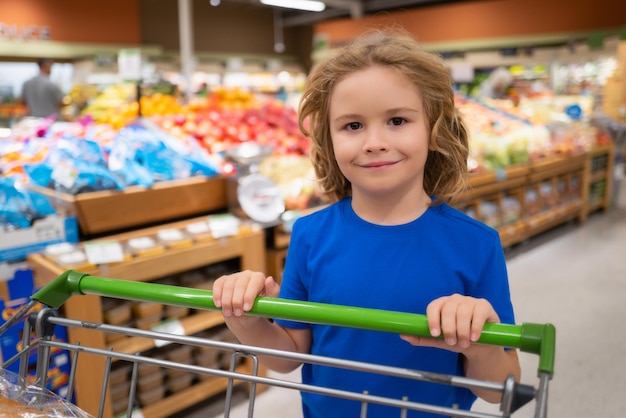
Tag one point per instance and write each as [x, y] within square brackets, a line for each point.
[577, 281]
[573, 277]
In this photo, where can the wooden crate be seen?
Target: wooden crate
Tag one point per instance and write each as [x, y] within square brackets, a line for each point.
[481, 184]
[551, 166]
[108, 211]
[614, 95]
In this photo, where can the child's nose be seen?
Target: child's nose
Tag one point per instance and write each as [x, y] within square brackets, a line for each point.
[375, 140]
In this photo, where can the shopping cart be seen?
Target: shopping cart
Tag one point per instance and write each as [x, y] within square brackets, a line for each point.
[537, 339]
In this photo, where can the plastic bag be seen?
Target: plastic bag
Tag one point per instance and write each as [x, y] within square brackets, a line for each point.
[20, 207]
[18, 399]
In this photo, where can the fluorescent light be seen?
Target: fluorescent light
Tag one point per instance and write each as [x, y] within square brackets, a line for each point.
[308, 5]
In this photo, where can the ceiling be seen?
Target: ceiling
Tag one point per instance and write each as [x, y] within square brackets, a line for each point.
[345, 8]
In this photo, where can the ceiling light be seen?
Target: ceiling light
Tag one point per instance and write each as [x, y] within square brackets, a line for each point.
[308, 5]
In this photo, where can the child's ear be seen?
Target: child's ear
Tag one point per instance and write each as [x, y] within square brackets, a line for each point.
[432, 144]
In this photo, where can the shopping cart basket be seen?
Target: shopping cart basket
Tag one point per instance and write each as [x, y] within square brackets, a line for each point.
[538, 339]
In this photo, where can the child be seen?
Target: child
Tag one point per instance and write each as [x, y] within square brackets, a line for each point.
[390, 149]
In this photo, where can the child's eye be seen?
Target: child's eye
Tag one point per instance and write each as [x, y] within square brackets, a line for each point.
[353, 126]
[397, 121]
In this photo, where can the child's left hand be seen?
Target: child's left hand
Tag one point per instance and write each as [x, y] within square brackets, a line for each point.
[459, 318]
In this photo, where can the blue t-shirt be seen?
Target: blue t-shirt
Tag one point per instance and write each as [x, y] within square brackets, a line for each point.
[336, 257]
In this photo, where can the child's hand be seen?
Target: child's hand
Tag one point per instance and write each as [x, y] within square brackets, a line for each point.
[459, 318]
[235, 293]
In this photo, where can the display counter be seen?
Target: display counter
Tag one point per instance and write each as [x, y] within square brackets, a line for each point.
[195, 264]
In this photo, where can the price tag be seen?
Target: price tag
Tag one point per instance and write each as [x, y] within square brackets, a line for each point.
[198, 228]
[500, 174]
[103, 252]
[170, 235]
[224, 225]
[171, 326]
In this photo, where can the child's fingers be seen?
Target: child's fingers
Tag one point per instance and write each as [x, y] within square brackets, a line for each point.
[254, 286]
[433, 315]
[464, 320]
[223, 289]
[235, 293]
[483, 313]
[217, 292]
[272, 289]
[449, 318]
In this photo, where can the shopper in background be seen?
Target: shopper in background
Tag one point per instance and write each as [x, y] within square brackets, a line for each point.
[390, 149]
[42, 97]
[496, 85]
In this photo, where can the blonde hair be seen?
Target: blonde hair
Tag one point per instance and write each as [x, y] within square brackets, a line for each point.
[446, 165]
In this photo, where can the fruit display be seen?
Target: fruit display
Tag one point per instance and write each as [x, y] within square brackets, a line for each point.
[218, 129]
[157, 104]
[114, 105]
[226, 99]
[499, 139]
[78, 157]
[10, 112]
[503, 134]
[222, 119]
[193, 139]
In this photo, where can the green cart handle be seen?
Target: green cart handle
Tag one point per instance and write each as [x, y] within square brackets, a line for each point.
[539, 339]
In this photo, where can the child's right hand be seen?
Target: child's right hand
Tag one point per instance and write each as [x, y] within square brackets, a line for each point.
[235, 293]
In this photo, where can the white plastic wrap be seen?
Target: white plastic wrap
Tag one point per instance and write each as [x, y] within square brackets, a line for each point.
[18, 400]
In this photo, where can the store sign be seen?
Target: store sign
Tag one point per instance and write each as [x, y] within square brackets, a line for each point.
[129, 63]
[12, 32]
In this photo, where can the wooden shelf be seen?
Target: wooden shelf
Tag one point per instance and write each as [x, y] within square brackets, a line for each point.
[107, 211]
[276, 263]
[553, 166]
[556, 179]
[597, 176]
[553, 217]
[186, 398]
[488, 178]
[249, 247]
[593, 175]
[191, 325]
[512, 234]
[483, 184]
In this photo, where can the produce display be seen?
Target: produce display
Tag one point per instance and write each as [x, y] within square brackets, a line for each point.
[502, 135]
[295, 177]
[73, 157]
[217, 128]
[499, 139]
[113, 105]
[109, 147]
[19, 207]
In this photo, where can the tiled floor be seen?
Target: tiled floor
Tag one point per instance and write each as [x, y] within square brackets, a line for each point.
[573, 277]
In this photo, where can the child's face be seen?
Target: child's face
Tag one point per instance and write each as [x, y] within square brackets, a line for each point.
[379, 133]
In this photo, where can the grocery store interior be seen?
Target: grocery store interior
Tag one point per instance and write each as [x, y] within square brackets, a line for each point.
[173, 156]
